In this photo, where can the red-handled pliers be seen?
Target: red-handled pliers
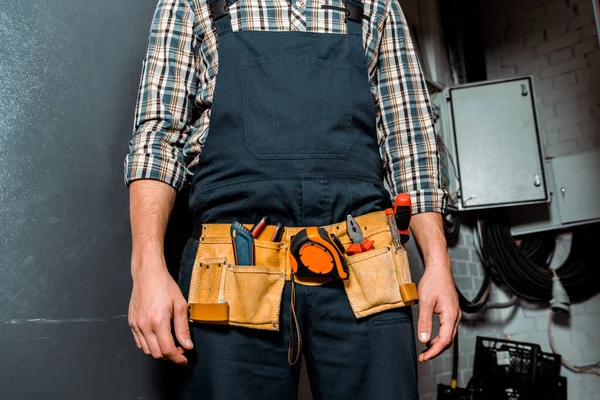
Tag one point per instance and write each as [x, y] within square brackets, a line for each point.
[359, 243]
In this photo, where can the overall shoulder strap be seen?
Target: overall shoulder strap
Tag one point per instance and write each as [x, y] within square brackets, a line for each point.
[219, 12]
[354, 16]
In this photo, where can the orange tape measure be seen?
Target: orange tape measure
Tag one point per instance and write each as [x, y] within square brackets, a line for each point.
[316, 252]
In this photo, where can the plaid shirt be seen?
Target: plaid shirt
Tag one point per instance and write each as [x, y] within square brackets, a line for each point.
[180, 70]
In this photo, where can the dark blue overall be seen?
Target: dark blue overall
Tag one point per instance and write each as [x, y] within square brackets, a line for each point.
[293, 136]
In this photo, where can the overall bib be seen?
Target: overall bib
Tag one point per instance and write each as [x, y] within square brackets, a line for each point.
[293, 136]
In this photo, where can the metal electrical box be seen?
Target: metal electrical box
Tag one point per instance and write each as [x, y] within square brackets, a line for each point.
[491, 141]
[574, 184]
[577, 179]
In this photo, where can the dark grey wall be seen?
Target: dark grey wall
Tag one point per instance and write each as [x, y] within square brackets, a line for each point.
[69, 71]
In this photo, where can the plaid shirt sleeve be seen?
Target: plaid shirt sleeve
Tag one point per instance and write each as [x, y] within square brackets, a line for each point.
[404, 120]
[166, 96]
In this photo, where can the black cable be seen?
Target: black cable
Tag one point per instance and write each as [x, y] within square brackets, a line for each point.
[451, 228]
[510, 265]
[480, 300]
[455, 353]
[580, 274]
[482, 296]
[539, 248]
[524, 267]
[515, 270]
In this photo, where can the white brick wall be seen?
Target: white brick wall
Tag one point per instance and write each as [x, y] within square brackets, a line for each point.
[556, 42]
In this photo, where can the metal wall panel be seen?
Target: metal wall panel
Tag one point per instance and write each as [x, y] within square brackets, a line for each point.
[537, 217]
[496, 144]
[577, 204]
[577, 180]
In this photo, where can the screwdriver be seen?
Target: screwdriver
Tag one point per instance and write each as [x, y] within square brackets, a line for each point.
[391, 219]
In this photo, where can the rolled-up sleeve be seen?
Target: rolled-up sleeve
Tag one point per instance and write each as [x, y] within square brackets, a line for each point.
[404, 120]
[165, 99]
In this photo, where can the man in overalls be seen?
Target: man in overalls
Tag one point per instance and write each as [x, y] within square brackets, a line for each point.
[299, 111]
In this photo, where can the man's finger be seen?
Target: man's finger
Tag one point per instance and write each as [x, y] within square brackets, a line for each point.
[458, 318]
[441, 342]
[167, 344]
[137, 341]
[133, 326]
[153, 345]
[145, 347]
[424, 324]
[147, 330]
[140, 337]
[181, 325]
[180, 350]
[455, 332]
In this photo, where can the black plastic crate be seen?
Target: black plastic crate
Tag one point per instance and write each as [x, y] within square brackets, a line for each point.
[445, 392]
[480, 391]
[483, 391]
[509, 370]
[561, 389]
[498, 361]
[548, 367]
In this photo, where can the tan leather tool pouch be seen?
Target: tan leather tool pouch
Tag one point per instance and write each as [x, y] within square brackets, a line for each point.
[247, 296]
[250, 296]
[379, 279]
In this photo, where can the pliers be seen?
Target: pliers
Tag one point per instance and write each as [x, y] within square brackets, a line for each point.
[359, 243]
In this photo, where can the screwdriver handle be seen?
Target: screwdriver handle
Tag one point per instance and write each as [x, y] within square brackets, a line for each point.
[403, 212]
[277, 232]
[259, 227]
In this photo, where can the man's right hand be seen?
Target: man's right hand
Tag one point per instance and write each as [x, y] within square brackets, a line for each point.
[156, 301]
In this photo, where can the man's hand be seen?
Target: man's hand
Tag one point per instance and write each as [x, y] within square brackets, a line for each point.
[155, 301]
[437, 293]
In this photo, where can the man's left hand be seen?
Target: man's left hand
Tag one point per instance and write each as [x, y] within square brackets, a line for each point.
[437, 294]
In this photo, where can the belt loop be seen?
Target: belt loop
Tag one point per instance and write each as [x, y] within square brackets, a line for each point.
[354, 17]
[197, 231]
[219, 11]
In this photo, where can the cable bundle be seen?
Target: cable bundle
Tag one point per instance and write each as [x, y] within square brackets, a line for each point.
[525, 270]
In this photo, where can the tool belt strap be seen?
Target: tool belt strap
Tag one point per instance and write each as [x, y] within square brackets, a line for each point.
[369, 223]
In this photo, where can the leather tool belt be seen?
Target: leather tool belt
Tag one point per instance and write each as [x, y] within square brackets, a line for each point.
[250, 296]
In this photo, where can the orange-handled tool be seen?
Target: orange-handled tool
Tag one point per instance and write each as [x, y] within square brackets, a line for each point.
[403, 212]
[259, 227]
[359, 243]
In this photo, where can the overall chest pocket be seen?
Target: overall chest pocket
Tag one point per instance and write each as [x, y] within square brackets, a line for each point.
[297, 108]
